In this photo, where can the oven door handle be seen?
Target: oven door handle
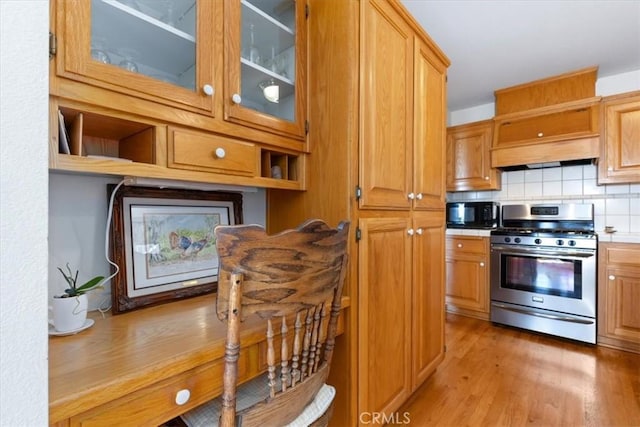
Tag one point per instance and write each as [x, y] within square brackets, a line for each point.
[570, 254]
[543, 315]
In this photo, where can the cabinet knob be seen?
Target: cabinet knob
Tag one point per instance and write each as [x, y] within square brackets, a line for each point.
[208, 90]
[612, 277]
[419, 196]
[236, 98]
[610, 169]
[540, 134]
[459, 245]
[410, 232]
[419, 231]
[482, 264]
[486, 178]
[411, 196]
[183, 396]
[220, 153]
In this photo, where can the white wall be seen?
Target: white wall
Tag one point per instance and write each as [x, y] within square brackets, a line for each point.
[78, 206]
[23, 212]
[605, 86]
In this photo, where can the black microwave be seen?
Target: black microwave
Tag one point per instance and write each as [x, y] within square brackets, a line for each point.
[473, 214]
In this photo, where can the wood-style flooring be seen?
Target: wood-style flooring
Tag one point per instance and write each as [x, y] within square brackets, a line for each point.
[500, 376]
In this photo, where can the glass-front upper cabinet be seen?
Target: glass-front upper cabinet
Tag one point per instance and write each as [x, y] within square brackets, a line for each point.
[162, 48]
[266, 53]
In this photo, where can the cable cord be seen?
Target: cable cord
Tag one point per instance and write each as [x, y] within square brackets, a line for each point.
[101, 308]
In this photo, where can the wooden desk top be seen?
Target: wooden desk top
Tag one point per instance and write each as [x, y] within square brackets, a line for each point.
[124, 353]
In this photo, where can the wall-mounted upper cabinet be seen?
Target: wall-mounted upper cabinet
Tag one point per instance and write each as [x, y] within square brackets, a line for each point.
[159, 50]
[469, 158]
[237, 61]
[620, 153]
[265, 81]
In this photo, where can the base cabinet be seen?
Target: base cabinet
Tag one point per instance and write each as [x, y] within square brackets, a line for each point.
[467, 289]
[401, 316]
[619, 296]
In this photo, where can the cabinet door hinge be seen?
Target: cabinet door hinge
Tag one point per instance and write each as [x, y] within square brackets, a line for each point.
[53, 45]
[306, 11]
[358, 192]
[358, 234]
[306, 127]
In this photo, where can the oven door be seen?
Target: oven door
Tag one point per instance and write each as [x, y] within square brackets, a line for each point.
[558, 279]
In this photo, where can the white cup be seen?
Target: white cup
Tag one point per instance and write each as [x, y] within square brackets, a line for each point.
[69, 313]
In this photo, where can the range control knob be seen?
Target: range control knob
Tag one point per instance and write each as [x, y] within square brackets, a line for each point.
[518, 240]
[507, 239]
[572, 242]
[538, 241]
[559, 242]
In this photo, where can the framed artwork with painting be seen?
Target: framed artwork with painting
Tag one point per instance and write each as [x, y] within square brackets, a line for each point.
[163, 243]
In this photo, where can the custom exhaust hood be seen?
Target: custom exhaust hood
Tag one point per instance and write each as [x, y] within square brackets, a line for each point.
[548, 165]
[547, 123]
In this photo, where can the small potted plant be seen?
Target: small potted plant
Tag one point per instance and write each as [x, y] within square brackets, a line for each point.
[70, 308]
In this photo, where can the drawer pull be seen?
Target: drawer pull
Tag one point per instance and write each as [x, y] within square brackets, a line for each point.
[540, 134]
[208, 90]
[183, 396]
[459, 245]
[220, 153]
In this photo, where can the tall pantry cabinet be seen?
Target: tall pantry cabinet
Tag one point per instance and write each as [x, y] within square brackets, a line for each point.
[377, 134]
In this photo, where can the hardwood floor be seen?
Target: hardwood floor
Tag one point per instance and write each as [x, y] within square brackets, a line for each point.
[499, 376]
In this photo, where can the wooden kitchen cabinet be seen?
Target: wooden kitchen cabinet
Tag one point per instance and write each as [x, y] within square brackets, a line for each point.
[469, 158]
[620, 146]
[381, 138]
[196, 64]
[619, 296]
[401, 314]
[561, 132]
[467, 276]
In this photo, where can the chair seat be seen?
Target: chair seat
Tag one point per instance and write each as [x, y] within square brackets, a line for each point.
[257, 390]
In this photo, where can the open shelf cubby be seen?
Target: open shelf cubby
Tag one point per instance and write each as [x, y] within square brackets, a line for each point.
[278, 165]
[95, 135]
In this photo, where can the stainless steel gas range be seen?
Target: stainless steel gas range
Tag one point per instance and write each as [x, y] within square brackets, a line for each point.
[543, 269]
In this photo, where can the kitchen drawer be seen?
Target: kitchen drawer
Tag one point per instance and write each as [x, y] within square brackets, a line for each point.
[156, 404]
[467, 245]
[211, 153]
[628, 255]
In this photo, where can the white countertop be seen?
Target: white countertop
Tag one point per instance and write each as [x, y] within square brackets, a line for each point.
[602, 236]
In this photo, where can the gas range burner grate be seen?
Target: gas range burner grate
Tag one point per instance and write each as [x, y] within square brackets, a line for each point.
[504, 231]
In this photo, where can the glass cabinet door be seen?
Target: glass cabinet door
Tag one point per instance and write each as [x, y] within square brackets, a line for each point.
[149, 46]
[264, 80]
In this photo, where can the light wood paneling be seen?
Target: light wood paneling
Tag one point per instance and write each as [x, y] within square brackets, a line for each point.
[566, 87]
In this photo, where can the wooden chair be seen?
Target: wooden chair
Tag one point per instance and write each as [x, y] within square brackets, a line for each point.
[293, 281]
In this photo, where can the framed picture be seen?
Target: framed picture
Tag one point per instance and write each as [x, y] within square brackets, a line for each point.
[162, 241]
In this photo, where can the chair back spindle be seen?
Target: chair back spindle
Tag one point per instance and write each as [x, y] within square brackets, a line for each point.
[295, 278]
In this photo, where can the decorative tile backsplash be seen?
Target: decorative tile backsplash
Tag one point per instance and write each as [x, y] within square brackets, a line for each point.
[616, 205]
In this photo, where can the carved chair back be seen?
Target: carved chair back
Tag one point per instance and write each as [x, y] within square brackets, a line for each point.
[293, 280]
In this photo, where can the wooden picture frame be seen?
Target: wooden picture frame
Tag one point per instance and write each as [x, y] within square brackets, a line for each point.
[163, 243]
